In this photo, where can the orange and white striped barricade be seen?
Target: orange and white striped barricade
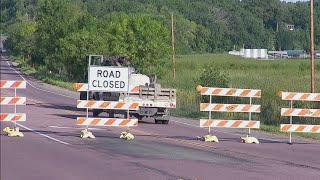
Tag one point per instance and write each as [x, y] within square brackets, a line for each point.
[241, 108]
[115, 122]
[13, 117]
[298, 112]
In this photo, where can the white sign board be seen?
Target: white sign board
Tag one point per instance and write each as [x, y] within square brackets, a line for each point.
[109, 79]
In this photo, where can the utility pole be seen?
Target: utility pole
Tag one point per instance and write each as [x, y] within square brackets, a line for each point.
[173, 52]
[312, 46]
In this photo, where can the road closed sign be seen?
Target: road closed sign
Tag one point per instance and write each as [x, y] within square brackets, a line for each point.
[110, 79]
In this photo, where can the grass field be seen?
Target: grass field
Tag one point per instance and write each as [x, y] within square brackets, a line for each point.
[268, 75]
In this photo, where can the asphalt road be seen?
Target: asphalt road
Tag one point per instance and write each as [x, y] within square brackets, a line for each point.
[52, 148]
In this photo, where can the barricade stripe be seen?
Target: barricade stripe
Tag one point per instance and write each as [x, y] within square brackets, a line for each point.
[236, 124]
[12, 117]
[135, 89]
[285, 127]
[94, 122]
[216, 91]
[107, 121]
[222, 123]
[134, 106]
[258, 94]
[16, 84]
[300, 128]
[230, 107]
[110, 122]
[13, 100]
[80, 120]
[2, 83]
[245, 93]
[315, 129]
[246, 108]
[13, 84]
[217, 107]
[204, 90]
[108, 105]
[119, 105]
[203, 106]
[300, 112]
[229, 123]
[208, 123]
[287, 112]
[3, 116]
[300, 96]
[16, 118]
[304, 112]
[124, 122]
[230, 92]
[250, 124]
[317, 113]
[305, 96]
[105, 104]
[89, 104]
[290, 96]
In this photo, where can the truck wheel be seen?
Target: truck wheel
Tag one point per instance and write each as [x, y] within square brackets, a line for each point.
[158, 121]
[165, 122]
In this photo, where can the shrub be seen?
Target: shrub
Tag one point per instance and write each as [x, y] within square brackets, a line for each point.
[213, 77]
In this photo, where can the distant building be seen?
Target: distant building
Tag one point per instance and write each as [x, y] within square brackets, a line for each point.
[296, 53]
[278, 54]
[256, 53]
[290, 27]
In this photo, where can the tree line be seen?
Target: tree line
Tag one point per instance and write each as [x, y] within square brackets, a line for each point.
[56, 35]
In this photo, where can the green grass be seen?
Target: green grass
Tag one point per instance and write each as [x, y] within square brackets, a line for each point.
[268, 75]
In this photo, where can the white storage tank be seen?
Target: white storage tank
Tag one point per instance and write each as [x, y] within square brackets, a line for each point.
[256, 53]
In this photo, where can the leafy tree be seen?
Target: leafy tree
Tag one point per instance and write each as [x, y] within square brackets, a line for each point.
[140, 38]
[56, 35]
[21, 37]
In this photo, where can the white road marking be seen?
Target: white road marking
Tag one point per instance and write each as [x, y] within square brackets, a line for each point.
[236, 134]
[44, 135]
